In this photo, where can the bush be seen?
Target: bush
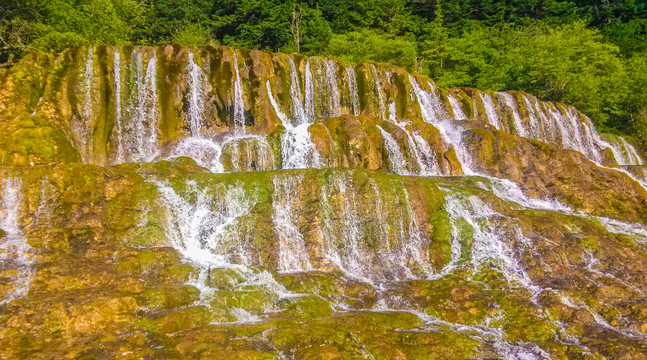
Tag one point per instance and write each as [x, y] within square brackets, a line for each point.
[369, 45]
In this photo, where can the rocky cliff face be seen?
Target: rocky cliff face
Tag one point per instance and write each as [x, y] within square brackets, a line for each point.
[218, 203]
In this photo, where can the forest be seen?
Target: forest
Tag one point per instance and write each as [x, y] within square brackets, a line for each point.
[592, 54]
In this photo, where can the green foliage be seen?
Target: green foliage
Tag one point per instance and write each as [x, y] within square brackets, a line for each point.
[369, 45]
[568, 63]
[193, 35]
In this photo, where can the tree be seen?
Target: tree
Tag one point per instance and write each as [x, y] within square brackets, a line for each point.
[296, 24]
[369, 45]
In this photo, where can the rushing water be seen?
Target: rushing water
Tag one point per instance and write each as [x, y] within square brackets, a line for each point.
[490, 111]
[195, 78]
[82, 126]
[239, 105]
[379, 93]
[518, 121]
[140, 130]
[333, 89]
[293, 255]
[204, 226]
[15, 257]
[401, 249]
[433, 112]
[457, 111]
[297, 149]
[298, 111]
[116, 66]
[352, 90]
[396, 159]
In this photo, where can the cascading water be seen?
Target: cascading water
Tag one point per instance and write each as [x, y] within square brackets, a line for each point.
[536, 130]
[239, 105]
[490, 111]
[82, 126]
[488, 247]
[398, 163]
[433, 113]
[140, 131]
[195, 78]
[401, 250]
[120, 131]
[379, 93]
[15, 258]
[458, 112]
[348, 239]
[333, 89]
[297, 149]
[205, 226]
[420, 151]
[293, 255]
[352, 90]
[518, 121]
[295, 94]
[208, 152]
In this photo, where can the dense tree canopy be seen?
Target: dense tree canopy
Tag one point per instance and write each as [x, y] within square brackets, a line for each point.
[591, 54]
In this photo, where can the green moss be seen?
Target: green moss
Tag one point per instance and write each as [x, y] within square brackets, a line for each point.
[441, 248]
[177, 320]
[252, 299]
[157, 264]
[309, 306]
[169, 297]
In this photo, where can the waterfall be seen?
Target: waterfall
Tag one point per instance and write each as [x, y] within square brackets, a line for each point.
[427, 157]
[563, 127]
[518, 121]
[208, 153]
[82, 126]
[295, 94]
[488, 245]
[392, 112]
[15, 258]
[535, 127]
[293, 255]
[207, 226]
[333, 90]
[379, 93]
[569, 130]
[632, 155]
[195, 78]
[141, 130]
[297, 149]
[456, 108]
[347, 219]
[433, 113]
[398, 163]
[204, 224]
[87, 88]
[239, 105]
[310, 93]
[420, 151]
[249, 153]
[490, 111]
[623, 151]
[352, 90]
[120, 131]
